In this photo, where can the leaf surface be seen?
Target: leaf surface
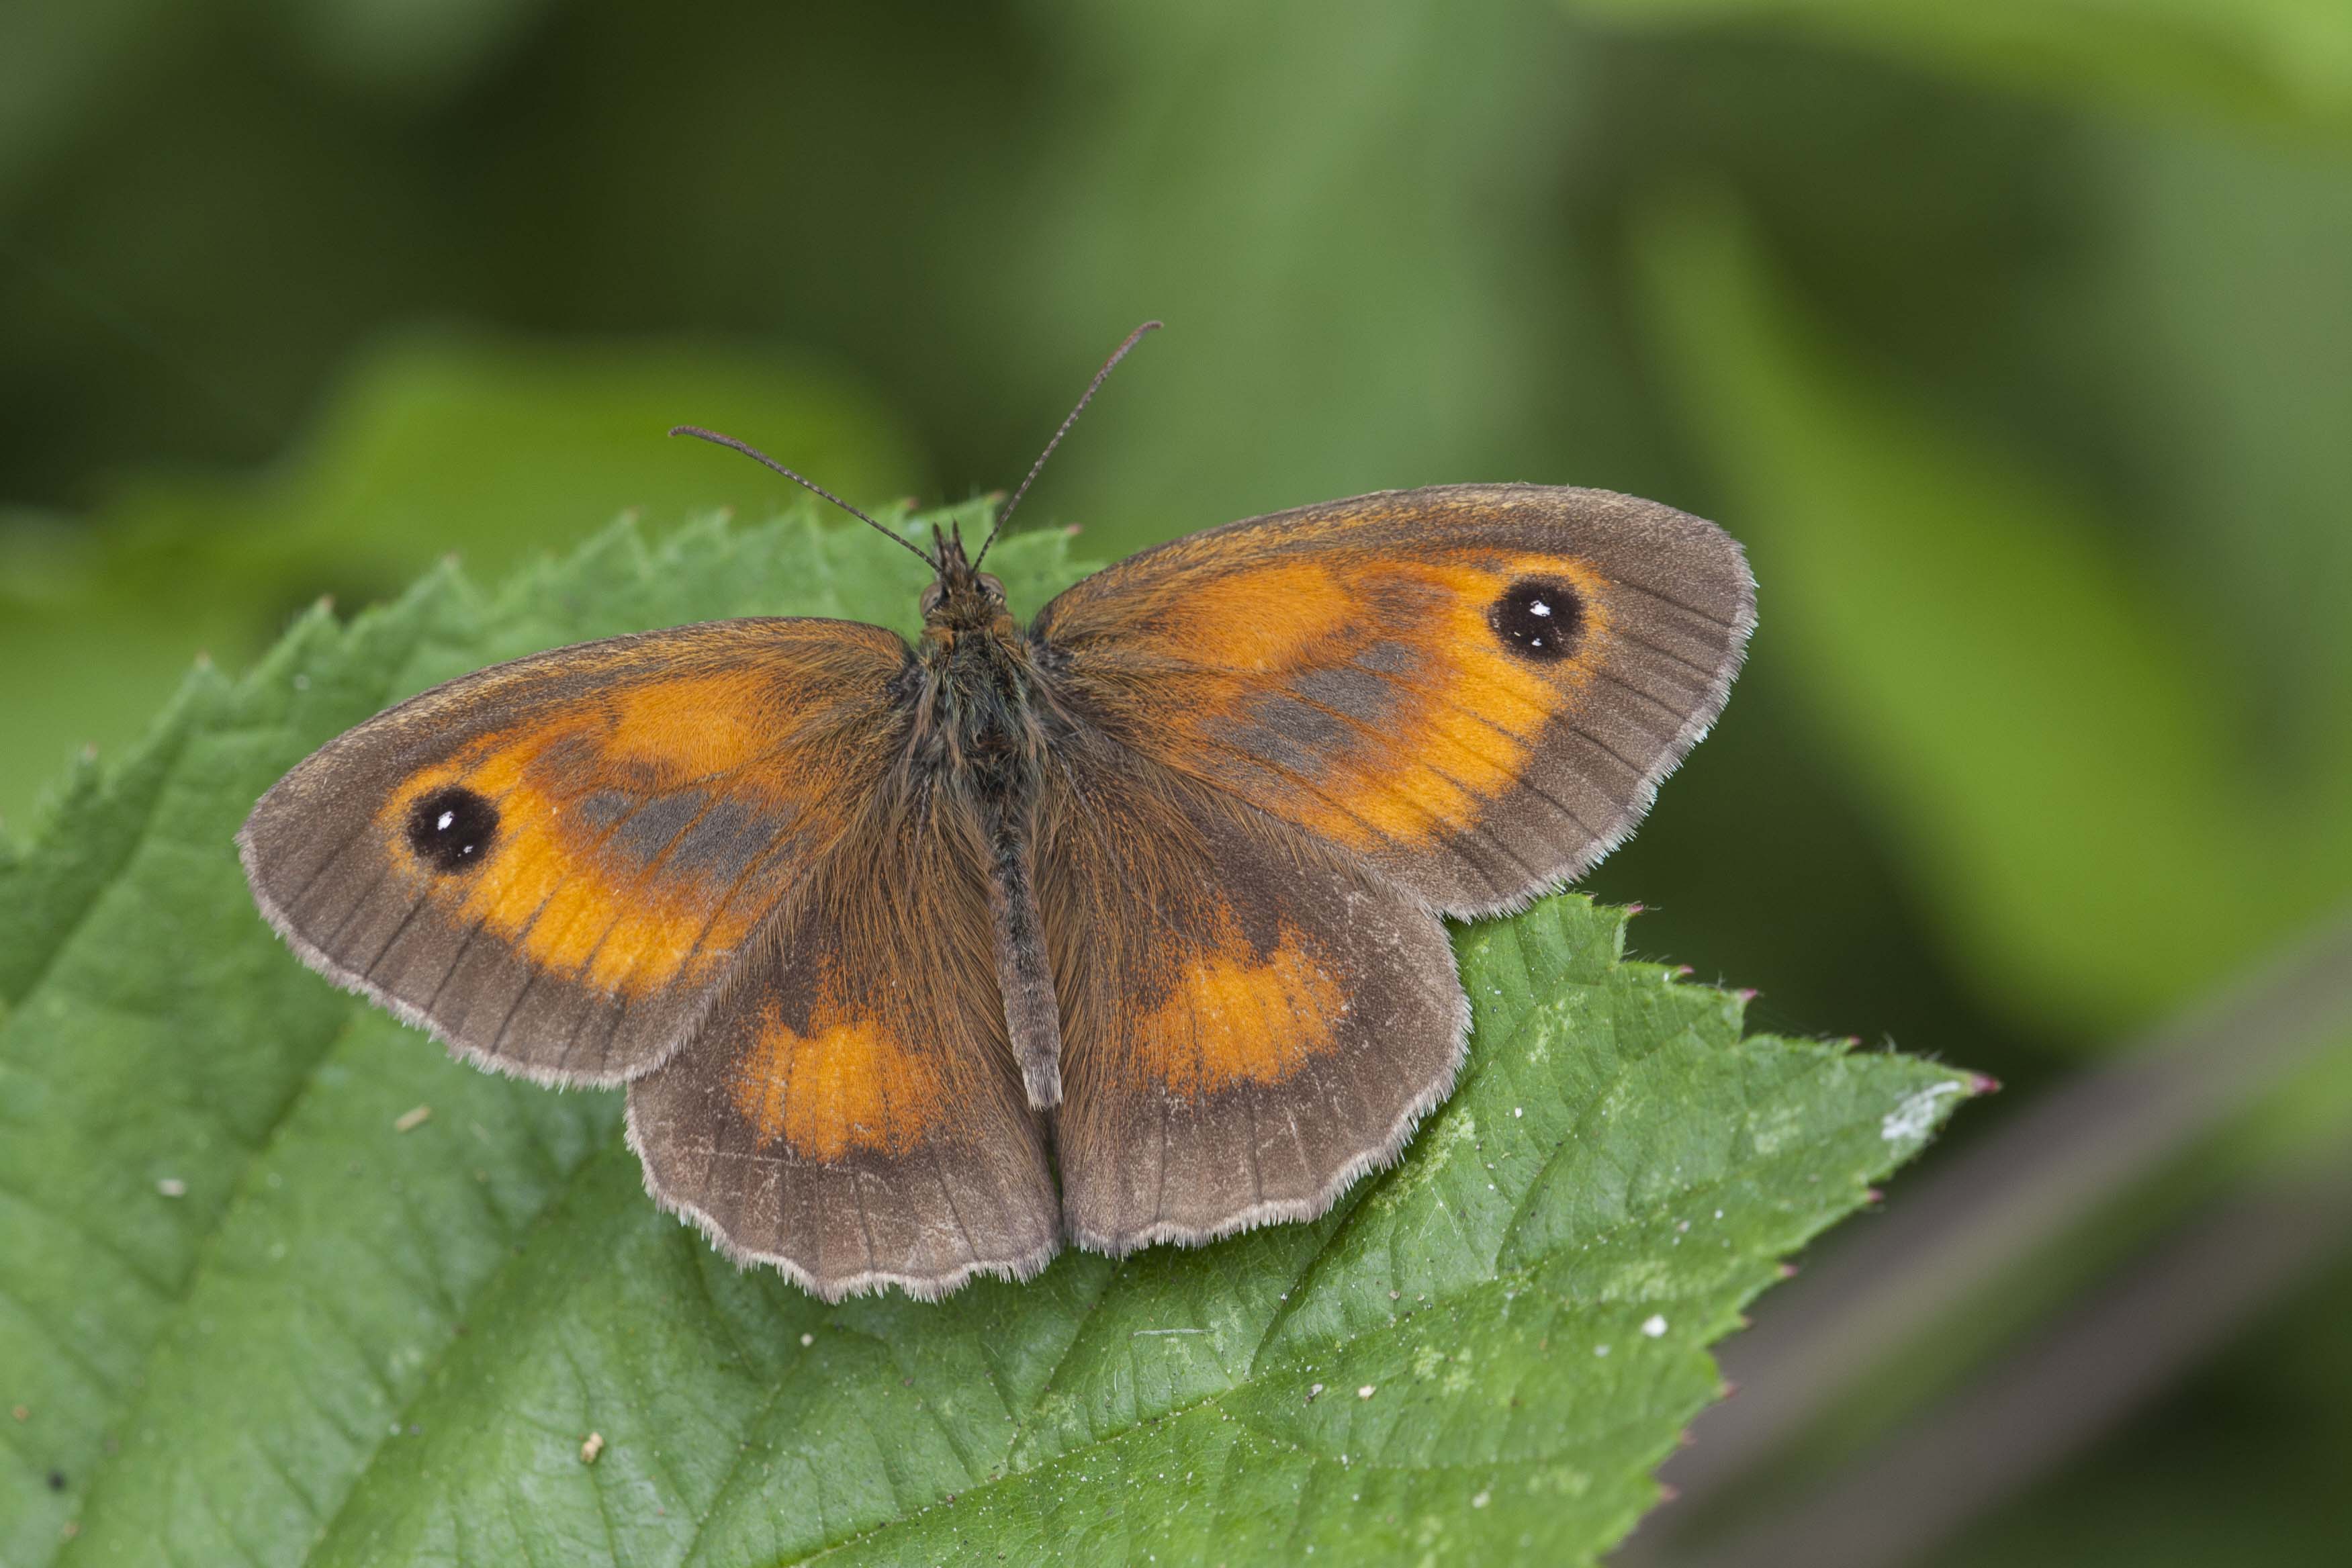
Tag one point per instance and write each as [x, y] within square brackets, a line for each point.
[247, 1317]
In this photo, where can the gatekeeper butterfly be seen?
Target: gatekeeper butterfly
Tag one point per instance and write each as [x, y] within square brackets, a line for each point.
[919, 961]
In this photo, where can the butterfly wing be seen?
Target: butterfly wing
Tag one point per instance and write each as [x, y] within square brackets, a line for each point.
[1474, 688]
[851, 1112]
[1285, 747]
[1251, 1018]
[552, 864]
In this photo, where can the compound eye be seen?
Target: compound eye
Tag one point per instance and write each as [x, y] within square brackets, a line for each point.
[931, 597]
[991, 585]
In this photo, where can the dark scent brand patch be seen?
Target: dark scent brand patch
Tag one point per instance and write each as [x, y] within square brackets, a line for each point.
[1363, 696]
[1537, 618]
[1392, 658]
[1301, 724]
[646, 833]
[452, 830]
[722, 844]
[602, 810]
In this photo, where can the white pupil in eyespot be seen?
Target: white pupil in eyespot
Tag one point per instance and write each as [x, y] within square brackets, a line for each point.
[1538, 608]
[445, 820]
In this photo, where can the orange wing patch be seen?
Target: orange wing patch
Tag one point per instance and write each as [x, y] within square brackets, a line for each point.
[1233, 1019]
[1267, 618]
[845, 1085]
[697, 726]
[638, 828]
[1441, 717]
[559, 887]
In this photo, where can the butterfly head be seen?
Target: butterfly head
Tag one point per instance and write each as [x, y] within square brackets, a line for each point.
[962, 598]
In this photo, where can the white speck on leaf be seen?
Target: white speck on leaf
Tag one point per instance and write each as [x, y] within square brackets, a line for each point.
[1653, 1325]
[1916, 1116]
[172, 1187]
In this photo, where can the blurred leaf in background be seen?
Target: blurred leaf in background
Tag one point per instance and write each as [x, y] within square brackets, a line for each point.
[2053, 738]
[1350, 217]
[2273, 63]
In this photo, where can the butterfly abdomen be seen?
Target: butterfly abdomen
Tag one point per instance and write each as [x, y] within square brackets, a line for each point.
[985, 754]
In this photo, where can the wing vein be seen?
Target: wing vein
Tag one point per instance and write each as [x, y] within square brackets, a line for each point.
[1668, 598]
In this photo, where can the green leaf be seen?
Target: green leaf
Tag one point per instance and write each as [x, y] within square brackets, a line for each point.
[247, 1317]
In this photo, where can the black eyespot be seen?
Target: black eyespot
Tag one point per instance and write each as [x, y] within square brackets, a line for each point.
[1537, 618]
[452, 828]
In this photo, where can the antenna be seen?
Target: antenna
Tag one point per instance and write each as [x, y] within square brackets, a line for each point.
[748, 450]
[1093, 387]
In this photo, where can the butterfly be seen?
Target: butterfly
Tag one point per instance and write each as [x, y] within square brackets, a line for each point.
[919, 961]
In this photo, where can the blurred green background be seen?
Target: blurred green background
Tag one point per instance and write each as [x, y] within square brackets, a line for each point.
[2014, 339]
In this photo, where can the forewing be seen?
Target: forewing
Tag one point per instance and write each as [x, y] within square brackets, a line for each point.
[1250, 1018]
[553, 863]
[1477, 688]
[851, 1112]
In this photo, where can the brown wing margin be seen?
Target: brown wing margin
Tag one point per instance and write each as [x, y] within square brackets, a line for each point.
[1383, 673]
[1250, 1022]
